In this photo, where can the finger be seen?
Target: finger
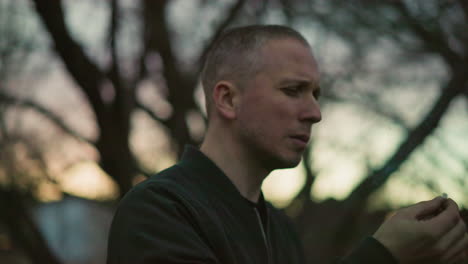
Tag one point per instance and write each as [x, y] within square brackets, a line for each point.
[454, 235]
[442, 223]
[459, 250]
[443, 247]
[425, 207]
[452, 244]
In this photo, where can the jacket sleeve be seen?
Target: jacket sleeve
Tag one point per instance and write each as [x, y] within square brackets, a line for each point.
[151, 225]
[370, 251]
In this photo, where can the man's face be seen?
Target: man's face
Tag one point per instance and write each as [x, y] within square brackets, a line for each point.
[279, 105]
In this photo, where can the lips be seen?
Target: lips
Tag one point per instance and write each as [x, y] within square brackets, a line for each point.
[304, 139]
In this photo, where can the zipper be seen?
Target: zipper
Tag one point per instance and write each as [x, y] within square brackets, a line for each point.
[264, 235]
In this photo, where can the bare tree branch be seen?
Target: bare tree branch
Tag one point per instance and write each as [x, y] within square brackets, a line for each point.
[124, 94]
[288, 11]
[3, 128]
[114, 72]
[150, 112]
[444, 144]
[124, 101]
[113, 117]
[157, 38]
[415, 138]
[229, 18]
[114, 27]
[371, 102]
[36, 155]
[434, 41]
[24, 232]
[84, 71]
[9, 99]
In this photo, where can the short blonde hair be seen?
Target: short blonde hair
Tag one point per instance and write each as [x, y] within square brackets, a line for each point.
[236, 55]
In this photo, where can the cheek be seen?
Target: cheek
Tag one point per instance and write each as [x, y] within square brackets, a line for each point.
[267, 119]
[274, 113]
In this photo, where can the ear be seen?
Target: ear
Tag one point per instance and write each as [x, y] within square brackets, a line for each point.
[225, 97]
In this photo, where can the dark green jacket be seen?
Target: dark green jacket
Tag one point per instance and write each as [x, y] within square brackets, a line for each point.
[192, 213]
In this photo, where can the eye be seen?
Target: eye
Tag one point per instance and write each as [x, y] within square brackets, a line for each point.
[292, 90]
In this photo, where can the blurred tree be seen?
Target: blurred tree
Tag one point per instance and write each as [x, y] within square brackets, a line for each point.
[111, 93]
[21, 161]
[113, 114]
[420, 29]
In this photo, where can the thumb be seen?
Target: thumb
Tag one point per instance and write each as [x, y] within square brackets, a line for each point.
[426, 208]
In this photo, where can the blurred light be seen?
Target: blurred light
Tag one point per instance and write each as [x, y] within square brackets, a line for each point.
[282, 185]
[196, 125]
[87, 180]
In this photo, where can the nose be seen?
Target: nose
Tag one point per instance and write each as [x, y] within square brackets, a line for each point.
[311, 111]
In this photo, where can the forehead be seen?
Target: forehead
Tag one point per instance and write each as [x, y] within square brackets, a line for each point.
[289, 58]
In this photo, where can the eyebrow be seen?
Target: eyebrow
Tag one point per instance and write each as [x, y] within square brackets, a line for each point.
[302, 82]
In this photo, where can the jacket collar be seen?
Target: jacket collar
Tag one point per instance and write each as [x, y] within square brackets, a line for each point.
[215, 183]
[211, 176]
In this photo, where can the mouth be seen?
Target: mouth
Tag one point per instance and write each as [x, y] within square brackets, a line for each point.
[301, 139]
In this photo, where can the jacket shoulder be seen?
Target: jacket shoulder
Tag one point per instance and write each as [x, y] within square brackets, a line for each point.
[155, 223]
[171, 183]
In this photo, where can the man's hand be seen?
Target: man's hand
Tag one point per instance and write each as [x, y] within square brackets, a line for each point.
[427, 232]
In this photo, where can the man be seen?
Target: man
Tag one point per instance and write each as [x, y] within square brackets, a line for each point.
[261, 85]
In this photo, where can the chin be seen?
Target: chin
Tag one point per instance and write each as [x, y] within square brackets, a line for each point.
[287, 163]
[273, 159]
[292, 164]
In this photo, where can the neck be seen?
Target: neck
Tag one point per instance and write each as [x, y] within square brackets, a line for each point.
[236, 162]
